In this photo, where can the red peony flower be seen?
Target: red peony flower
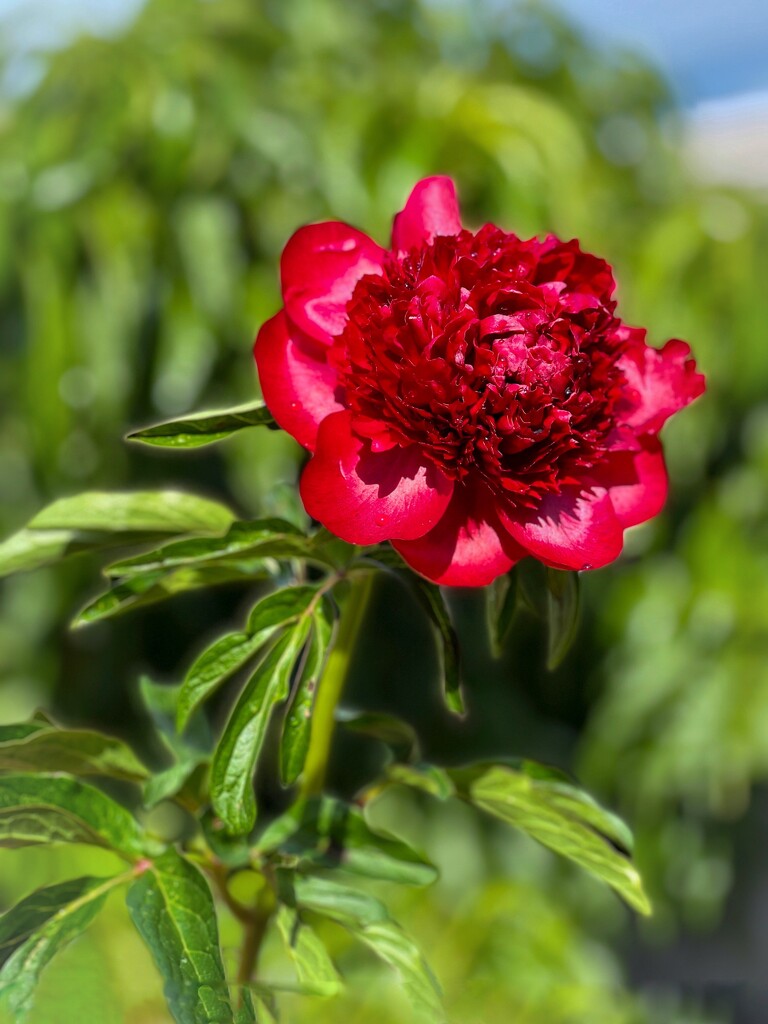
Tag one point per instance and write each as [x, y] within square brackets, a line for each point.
[470, 397]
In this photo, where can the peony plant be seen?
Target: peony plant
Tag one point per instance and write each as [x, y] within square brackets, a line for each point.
[470, 401]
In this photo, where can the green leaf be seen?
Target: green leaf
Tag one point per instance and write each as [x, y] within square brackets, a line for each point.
[398, 735]
[38, 927]
[189, 751]
[235, 758]
[157, 585]
[261, 537]
[297, 725]
[74, 751]
[32, 549]
[137, 511]
[205, 427]
[562, 614]
[432, 600]
[502, 604]
[368, 920]
[560, 817]
[172, 907]
[314, 968]
[427, 778]
[330, 833]
[223, 658]
[40, 809]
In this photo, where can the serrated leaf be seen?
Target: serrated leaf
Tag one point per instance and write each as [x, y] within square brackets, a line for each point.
[275, 538]
[562, 614]
[46, 921]
[204, 428]
[224, 657]
[369, 921]
[74, 751]
[157, 585]
[502, 604]
[41, 809]
[297, 725]
[560, 817]
[135, 511]
[237, 753]
[398, 735]
[173, 910]
[314, 968]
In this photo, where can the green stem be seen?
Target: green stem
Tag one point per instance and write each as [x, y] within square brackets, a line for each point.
[331, 685]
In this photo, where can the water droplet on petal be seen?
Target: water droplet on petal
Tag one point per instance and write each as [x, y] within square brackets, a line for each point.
[382, 520]
[294, 405]
[587, 565]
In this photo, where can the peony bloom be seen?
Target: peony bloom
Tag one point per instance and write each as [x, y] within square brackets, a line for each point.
[470, 397]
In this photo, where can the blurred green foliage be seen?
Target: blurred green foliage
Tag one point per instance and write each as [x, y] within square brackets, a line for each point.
[147, 186]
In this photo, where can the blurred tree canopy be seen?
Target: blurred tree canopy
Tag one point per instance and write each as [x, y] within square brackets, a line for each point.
[147, 186]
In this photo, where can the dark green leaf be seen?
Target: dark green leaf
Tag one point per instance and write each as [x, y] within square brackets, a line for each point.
[559, 816]
[236, 755]
[432, 600]
[562, 614]
[297, 726]
[44, 923]
[205, 427]
[189, 751]
[74, 751]
[275, 538]
[502, 604]
[172, 907]
[157, 585]
[400, 736]
[368, 920]
[137, 511]
[41, 809]
[314, 968]
[218, 662]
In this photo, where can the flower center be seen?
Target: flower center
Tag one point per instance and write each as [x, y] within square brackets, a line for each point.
[493, 354]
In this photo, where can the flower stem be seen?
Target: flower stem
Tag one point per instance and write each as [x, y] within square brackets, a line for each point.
[331, 685]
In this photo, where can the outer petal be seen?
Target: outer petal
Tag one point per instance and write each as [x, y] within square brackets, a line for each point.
[319, 268]
[469, 547]
[432, 209]
[570, 530]
[367, 497]
[662, 382]
[639, 494]
[296, 381]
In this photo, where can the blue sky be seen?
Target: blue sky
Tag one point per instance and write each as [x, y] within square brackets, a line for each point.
[707, 48]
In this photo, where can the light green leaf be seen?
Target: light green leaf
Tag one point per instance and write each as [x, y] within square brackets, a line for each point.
[427, 778]
[297, 725]
[31, 549]
[136, 511]
[261, 537]
[223, 658]
[559, 816]
[562, 614]
[74, 751]
[314, 968]
[368, 920]
[43, 924]
[172, 907]
[235, 758]
[41, 809]
[204, 428]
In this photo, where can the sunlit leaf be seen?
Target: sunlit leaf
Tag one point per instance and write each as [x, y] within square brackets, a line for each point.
[74, 751]
[314, 968]
[204, 428]
[172, 907]
[136, 511]
[42, 809]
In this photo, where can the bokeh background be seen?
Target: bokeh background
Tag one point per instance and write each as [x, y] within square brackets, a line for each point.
[154, 157]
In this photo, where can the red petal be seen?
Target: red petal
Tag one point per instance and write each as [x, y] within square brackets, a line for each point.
[661, 382]
[432, 209]
[639, 493]
[367, 497]
[469, 547]
[570, 530]
[296, 381]
[319, 268]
